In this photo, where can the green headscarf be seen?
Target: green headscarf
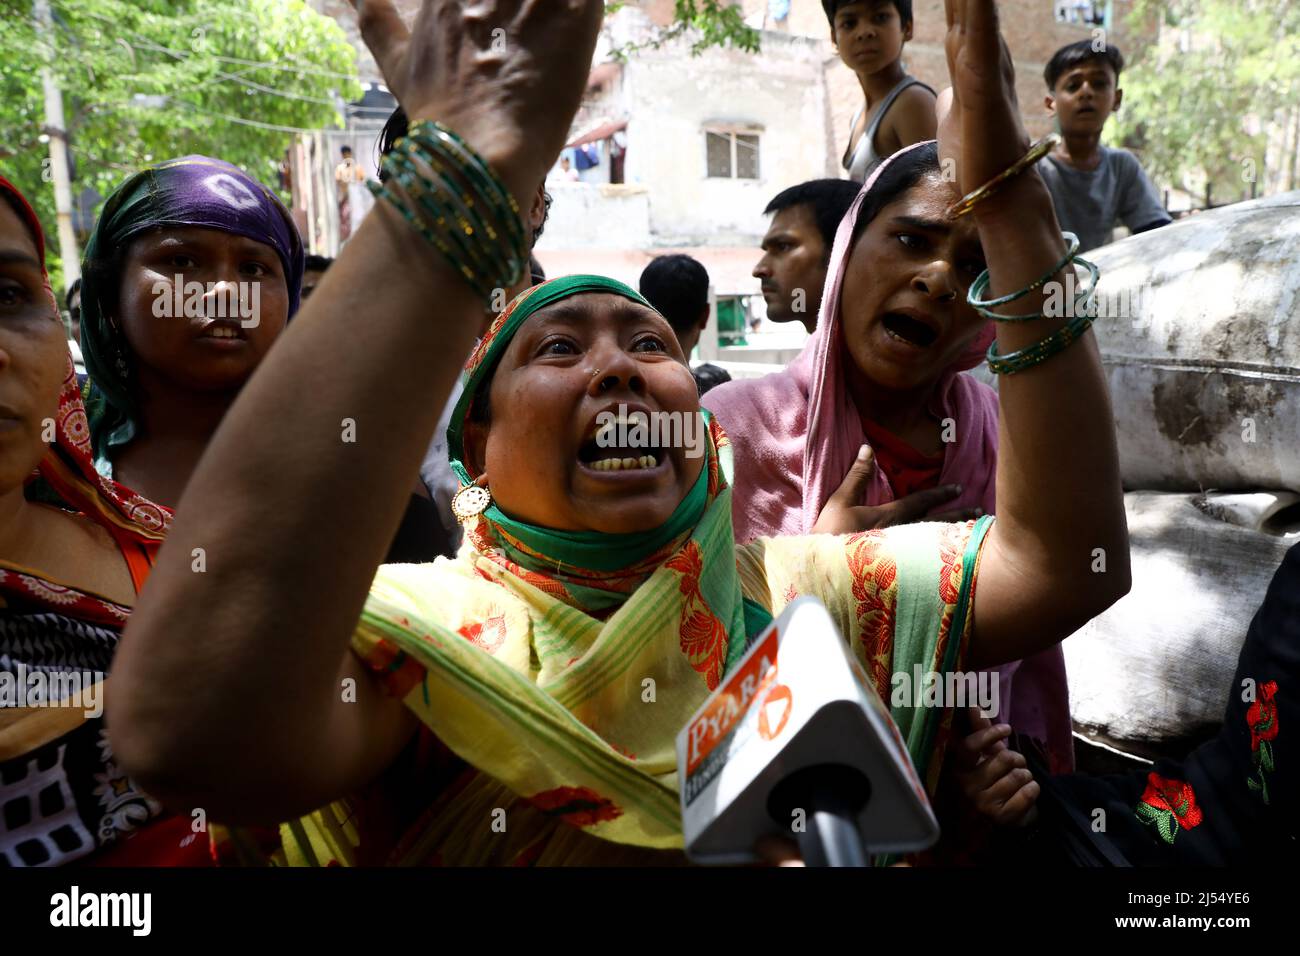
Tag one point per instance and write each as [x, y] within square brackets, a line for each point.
[598, 569]
[584, 549]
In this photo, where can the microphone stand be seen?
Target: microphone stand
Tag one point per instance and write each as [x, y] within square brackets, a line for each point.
[831, 797]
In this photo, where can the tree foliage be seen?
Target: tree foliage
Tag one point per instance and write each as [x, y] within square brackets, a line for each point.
[146, 80]
[709, 22]
[1202, 103]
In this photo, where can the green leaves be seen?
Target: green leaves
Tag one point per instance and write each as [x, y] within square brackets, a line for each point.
[714, 22]
[146, 80]
[1201, 102]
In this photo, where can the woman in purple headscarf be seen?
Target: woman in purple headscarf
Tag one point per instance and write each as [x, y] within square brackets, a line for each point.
[190, 275]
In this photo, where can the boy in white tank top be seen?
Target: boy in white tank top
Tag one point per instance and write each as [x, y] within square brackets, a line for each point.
[898, 109]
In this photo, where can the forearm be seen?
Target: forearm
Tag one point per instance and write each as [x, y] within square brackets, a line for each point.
[233, 653]
[1059, 498]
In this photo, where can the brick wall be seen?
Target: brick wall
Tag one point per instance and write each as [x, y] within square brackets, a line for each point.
[1029, 26]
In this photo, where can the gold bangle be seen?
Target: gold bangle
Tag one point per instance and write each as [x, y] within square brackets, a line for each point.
[975, 197]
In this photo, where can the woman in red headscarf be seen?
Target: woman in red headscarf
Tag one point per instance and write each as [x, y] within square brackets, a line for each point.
[75, 549]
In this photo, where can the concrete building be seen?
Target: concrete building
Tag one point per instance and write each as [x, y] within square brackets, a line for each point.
[705, 142]
[1032, 29]
[313, 157]
[675, 152]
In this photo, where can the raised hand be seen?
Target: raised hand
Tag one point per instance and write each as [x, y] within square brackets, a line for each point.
[507, 75]
[981, 130]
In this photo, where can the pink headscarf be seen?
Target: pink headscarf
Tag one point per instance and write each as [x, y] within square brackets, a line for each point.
[795, 433]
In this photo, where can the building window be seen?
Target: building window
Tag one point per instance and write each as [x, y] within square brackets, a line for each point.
[731, 154]
[1086, 12]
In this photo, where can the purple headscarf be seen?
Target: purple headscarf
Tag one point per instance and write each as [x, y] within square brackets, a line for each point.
[190, 191]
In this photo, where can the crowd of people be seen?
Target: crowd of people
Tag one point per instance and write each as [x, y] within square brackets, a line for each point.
[361, 601]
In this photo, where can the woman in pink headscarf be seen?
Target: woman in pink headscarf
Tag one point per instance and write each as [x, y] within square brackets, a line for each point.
[873, 424]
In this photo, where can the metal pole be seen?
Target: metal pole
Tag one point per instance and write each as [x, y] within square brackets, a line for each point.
[58, 134]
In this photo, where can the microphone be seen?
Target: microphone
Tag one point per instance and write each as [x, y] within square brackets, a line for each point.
[797, 742]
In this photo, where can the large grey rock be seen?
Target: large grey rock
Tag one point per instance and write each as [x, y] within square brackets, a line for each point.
[1200, 336]
[1150, 676]
[1201, 342]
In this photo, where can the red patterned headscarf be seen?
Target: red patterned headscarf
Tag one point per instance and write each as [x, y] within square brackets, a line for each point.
[67, 467]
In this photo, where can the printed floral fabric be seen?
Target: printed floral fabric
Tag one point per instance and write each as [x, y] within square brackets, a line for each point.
[63, 797]
[566, 723]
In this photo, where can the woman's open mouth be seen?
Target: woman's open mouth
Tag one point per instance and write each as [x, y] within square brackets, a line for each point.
[607, 458]
[909, 330]
[622, 445]
[223, 334]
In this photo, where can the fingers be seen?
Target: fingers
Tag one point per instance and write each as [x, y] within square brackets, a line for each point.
[1019, 808]
[986, 741]
[980, 25]
[977, 721]
[992, 771]
[384, 34]
[960, 514]
[1006, 786]
[989, 741]
[917, 504]
[854, 487]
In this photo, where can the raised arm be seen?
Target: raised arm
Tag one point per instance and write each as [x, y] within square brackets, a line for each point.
[1060, 507]
[226, 689]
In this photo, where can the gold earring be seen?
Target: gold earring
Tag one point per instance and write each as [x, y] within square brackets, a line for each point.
[470, 502]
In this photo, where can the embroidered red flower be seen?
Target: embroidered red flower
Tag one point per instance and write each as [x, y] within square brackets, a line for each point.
[704, 642]
[1261, 718]
[579, 806]
[690, 563]
[1169, 804]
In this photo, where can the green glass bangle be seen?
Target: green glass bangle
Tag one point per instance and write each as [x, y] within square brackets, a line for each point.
[430, 167]
[489, 193]
[981, 284]
[442, 234]
[390, 194]
[467, 207]
[1041, 350]
[472, 162]
[454, 223]
[1082, 300]
[446, 214]
[446, 143]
